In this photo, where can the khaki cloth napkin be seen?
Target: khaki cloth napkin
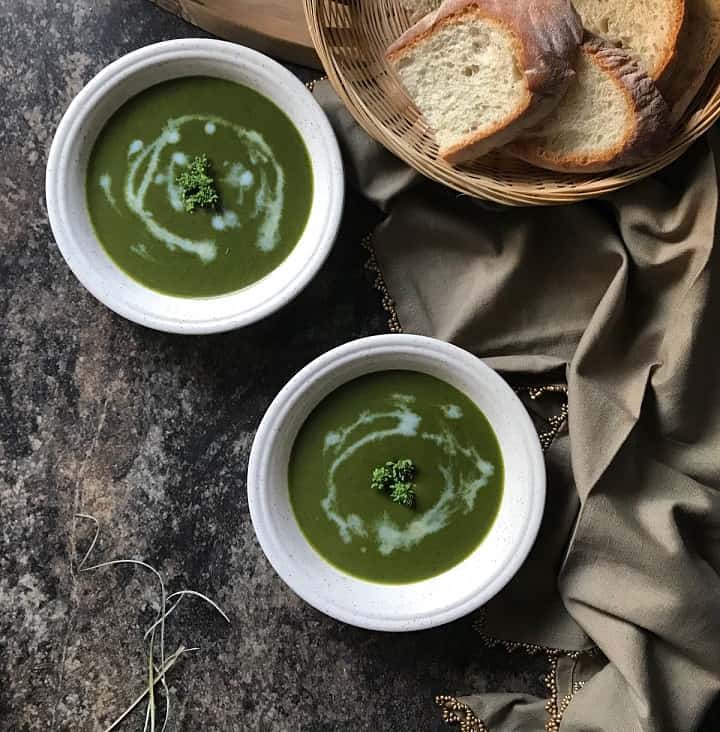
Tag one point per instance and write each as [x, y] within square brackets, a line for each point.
[620, 298]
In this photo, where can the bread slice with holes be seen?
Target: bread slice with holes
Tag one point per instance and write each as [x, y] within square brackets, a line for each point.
[613, 115]
[482, 71]
[649, 30]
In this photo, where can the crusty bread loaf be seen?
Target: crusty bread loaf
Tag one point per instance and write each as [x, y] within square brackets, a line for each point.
[649, 30]
[613, 115]
[482, 71]
[418, 8]
[698, 50]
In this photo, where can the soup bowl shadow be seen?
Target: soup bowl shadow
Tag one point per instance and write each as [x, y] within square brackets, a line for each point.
[430, 602]
[70, 153]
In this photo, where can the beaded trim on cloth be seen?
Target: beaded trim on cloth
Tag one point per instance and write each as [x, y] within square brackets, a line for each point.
[555, 705]
[455, 712]
[554, 423]
[310, 85]
[388, 304]
[512, 646]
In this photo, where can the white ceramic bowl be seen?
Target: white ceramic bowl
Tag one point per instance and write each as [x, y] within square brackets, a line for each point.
[73, 142]
[430, 602]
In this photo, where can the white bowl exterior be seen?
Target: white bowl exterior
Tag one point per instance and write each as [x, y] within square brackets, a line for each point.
[66, 196]
[423, 604]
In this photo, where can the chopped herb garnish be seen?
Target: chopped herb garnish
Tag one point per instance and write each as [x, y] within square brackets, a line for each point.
[381, 478]
[395, 479]
[404, 494]
[197, 185]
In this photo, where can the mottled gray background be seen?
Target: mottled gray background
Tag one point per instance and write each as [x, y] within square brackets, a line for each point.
[151, 433]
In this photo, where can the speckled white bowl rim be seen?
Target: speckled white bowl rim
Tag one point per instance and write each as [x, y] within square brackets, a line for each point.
[431, 602]
[67, 164]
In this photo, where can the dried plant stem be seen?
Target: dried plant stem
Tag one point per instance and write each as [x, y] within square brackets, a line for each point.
[155, 674]
[147, 718]
[180, 595]
[159, 677]
[151, 681]
[166, 691]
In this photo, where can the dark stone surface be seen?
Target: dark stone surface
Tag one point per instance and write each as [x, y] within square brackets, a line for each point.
[151, 433]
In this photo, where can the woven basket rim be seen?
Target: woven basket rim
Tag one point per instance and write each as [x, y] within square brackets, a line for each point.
[538, 186]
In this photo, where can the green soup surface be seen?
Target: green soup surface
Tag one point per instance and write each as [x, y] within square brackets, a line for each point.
[387, 416]
[261, 169]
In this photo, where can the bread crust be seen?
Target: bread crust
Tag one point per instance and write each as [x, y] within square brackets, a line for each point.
[546, 34]
[698, 50]
[665, 64]
[646, 130]
[417, 9]
[663, 70]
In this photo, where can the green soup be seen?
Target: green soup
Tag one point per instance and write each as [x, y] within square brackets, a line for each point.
[261, 170]
[386, 416]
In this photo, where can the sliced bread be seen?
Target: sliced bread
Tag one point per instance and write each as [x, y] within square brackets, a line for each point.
[698, 51]
[482, 71]
[418, 8]
[613, 115]
[649, 30]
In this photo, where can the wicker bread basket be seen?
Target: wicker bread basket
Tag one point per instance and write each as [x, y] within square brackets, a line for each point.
[351, 36]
